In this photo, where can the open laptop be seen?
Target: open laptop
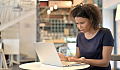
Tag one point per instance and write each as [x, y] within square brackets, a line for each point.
[48, 55]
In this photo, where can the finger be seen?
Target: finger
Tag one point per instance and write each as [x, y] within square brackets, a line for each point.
[79, 60]
[59, 53]
[72, 59]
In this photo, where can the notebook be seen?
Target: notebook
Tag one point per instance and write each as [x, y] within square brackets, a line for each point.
[48, 55]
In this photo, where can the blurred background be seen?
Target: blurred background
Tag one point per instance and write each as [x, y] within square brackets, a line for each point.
[23, 22]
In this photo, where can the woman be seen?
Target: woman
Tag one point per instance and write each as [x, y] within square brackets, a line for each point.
[94, 44]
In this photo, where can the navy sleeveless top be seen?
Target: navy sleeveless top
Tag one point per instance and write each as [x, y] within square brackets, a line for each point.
[92, 48]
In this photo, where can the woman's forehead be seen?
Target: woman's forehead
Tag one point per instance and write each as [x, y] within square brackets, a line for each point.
[80, 19]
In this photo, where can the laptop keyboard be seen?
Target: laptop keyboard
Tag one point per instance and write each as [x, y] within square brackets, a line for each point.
[66, 63]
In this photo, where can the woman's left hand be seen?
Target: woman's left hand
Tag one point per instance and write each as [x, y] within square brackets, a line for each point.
[82, 59]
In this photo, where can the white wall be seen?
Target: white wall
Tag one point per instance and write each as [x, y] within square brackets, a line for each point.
[108, 20]
[108, 7]
[27, 34]
[11, 32]
[110, 4]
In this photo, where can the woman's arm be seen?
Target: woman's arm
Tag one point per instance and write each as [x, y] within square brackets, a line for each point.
[100, 62]
[77, 52]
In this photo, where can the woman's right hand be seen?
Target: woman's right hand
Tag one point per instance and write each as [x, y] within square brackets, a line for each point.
[73, 59]
[62, 57]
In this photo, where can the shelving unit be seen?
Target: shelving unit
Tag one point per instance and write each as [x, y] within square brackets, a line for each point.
[57, 25]
[57, 29]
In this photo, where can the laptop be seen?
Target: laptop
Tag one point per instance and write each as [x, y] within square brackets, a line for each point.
[48, 55]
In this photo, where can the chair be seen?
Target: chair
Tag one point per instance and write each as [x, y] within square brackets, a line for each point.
[11, 48]
[3, 63]
[115, 57]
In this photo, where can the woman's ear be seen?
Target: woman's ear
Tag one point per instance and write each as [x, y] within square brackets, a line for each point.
[91, 21]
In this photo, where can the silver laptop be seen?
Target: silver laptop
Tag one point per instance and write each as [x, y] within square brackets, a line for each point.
[48, 55]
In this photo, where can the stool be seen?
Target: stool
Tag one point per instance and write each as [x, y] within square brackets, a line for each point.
[11, 48]
[3, 63]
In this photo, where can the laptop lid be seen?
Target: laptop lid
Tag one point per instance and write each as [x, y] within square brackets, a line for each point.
[47, 53]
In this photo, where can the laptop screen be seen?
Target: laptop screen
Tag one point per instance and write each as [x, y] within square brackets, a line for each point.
[47, 53]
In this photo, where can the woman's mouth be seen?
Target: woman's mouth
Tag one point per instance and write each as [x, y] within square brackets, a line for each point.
[81, 30]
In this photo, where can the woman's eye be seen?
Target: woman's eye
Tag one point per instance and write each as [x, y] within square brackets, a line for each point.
[82, 23]
[76, 23]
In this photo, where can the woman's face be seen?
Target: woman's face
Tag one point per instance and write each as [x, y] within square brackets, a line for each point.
[83, 24]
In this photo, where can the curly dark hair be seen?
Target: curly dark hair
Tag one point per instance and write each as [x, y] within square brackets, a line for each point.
[89, 11]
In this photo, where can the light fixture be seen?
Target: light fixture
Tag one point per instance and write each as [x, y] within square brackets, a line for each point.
[17, 8]
[51, 8]
[81, 4]
[69, 3]
[118, 13]
[95, 4]
[55, 6]
[48, 12]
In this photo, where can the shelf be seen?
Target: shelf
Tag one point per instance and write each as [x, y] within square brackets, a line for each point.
[57, 29]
